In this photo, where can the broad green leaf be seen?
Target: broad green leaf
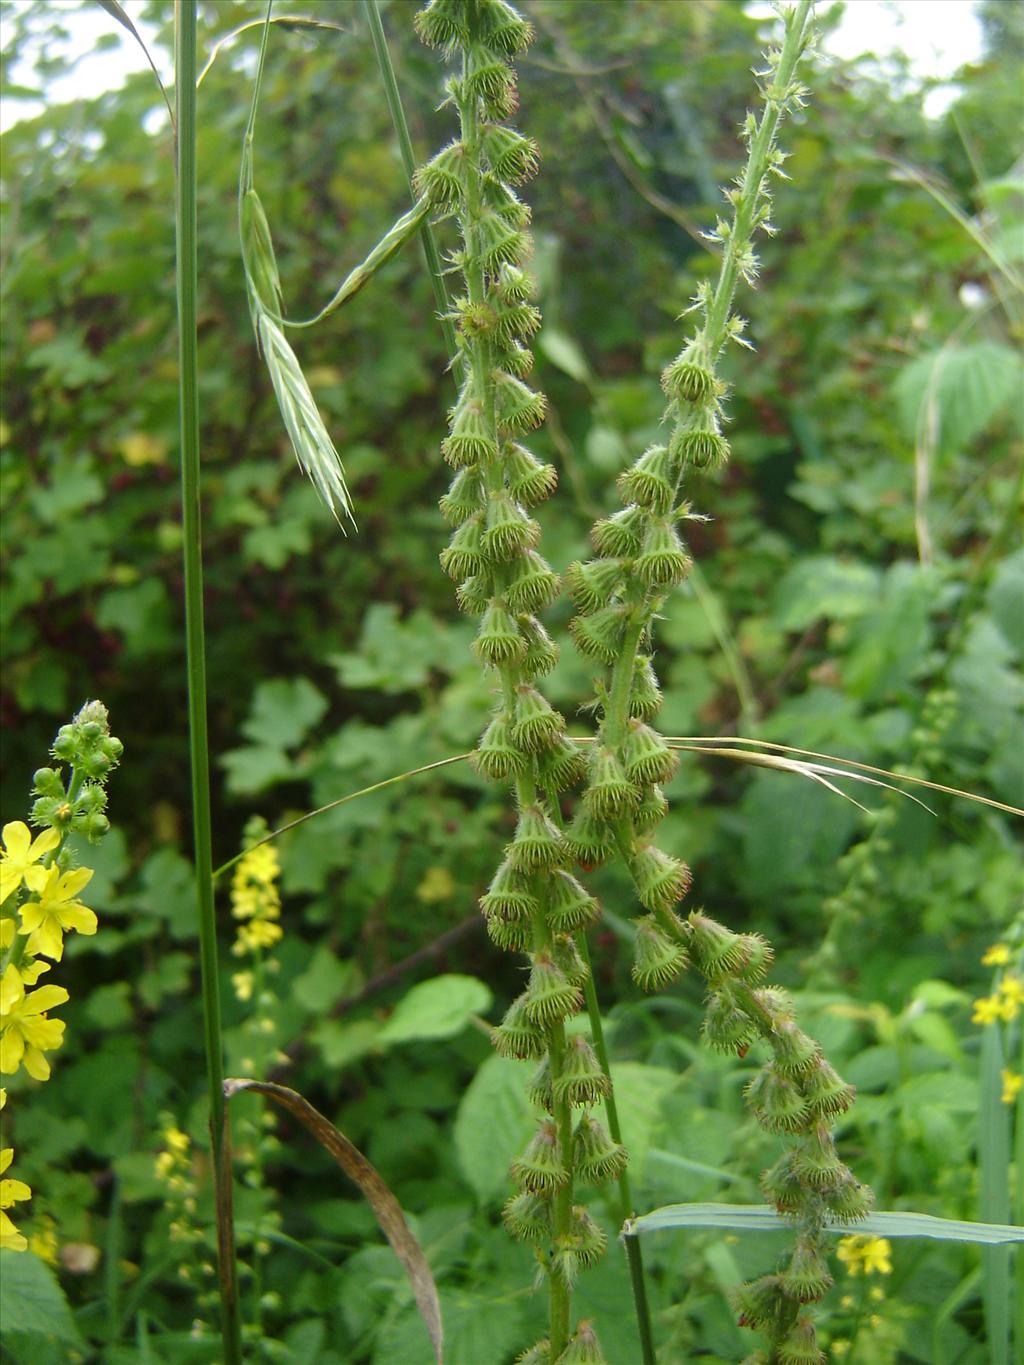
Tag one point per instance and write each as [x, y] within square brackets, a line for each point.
[283, 712]
[969, 386]
[32, 1301]
[763, 1218]
[494, 1122]
[820, 586]
[640, 1092]
[325, 979]
[341, 1044]
[255, 767]
[436, 1009]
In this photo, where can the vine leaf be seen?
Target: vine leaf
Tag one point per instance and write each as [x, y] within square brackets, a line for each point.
[385, 1206]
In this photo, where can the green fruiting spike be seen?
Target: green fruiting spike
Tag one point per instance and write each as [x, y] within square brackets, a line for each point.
[538, 1087]
[498, 640]
[688, 380]
[517, 1035]
[801, 1345]
[541, 651]
[538, 1354]
[463, 555]
[651, 481]
[531, 584]
[509, 894]
[848, 1200]
[570, 907]
[657, 958]
[826, 1092]
[589, 840]
[528, 480]
[550, 995]
[561, 766]
[538, 844]
[510, 934]
[662, 561]
[503, 28]
[527, 1217]
[609, 793]
[508, 528]
[795, 1052]
[583, 1349]
[759, 1304]
[660, 880]
[816, 1161]
[651, 810]
[600, 635]
[717, 950]
[511, 323]
[440, 181]
[758, 956]
[537, 726]
[646, 756]
[509, 154]
[644, 695]
[783, 1185]
[496, 756]
[442, 23]
[619, 536]
[806, 1279]
[581, 1080]
[469, 442]
[541, 1167]
[498, 241]
[596, 1158]
[513, 284]
[567, 957]
[594, 584]
[701, 443]
[465, 498]
[474, 593]
[777, 1101]
[515, 359]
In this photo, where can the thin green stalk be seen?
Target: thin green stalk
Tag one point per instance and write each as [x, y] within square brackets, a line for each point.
[394, 99]
[187, 271]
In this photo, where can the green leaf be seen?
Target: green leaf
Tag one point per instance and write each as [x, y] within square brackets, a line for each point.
[324, 981]
[820, 586]
[969, 386]
[31, 1299]
[255, 767]
[283, 712]
[762, 1218]
[342, 1044]
[493, 1123]
[564, 353]
[436, 1009]
[640, 1093]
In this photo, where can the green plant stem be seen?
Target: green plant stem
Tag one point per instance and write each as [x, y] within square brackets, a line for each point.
[187, 271]
[394, 99]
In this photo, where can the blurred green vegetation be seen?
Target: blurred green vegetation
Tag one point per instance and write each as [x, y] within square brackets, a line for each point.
[861, 561]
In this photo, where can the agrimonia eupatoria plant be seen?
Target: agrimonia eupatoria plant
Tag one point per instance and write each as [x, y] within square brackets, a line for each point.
[533, 904]
[39, 891]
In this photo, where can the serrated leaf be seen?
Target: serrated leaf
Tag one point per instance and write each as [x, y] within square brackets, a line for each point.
[31, 1299]
[283, 712]
[969, 386]
[436, 1009]
[493, 1123]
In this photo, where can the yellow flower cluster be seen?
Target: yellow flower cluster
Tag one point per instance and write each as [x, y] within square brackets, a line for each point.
[256, 901]
[33, 931]
[1005, 1001]
[866, 1255]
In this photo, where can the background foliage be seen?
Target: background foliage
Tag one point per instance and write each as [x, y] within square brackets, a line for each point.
[858, 616]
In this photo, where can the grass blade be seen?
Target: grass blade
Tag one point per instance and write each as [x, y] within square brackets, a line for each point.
[994, 1201]
[763, 1218]
[116, 11]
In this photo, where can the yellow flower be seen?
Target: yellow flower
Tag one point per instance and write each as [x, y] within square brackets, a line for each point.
[55, 911]
[258, 933]
[986, 1010]
[840, 1348]
[866, 1255]
[996, 956]
[25, 1031]
[11, 1193]
[1011, 988]
[437, 885]
[243, 983]
[1012, 1082]
[20, 852]
[44, 1242]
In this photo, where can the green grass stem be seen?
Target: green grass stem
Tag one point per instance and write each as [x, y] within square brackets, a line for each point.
[187, 273]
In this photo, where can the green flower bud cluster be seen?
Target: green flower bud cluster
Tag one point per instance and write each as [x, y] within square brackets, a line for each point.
[77, 806]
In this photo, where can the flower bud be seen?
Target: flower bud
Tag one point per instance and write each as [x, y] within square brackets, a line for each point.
[519, 407]
[537, 725]
[662, 561]
[657, 958]
[463, 554]
[594, 584]
[498, 640]
[660, 879]
[609, 793]
[47, 782]
[528, 480]
[95, 826]
[581, 1080]
[541, 1167]
[561, 766]
[538, 845]
[777, 1101]
[510, 155]
[620, 535]
[532, 583]
[651, 481]
[541, 651]
[66, 744]
[599, 636]
[497, 757]
[569, 905]
[550, 995]
[646, 756]
[113, 748]
[645, 694]
[527, 1218]
[517, 1035]
[508, 528]
[464, 499]
[596, 1158]
[807, 1277]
